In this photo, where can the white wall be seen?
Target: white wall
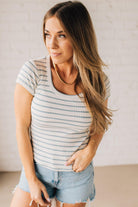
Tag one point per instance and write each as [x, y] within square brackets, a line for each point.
[116, 26]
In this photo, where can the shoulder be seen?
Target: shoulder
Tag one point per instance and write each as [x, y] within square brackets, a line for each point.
[40, 62]
[31, 72]
[37, 65]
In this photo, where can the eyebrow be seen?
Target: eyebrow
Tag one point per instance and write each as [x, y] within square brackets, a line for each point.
[57, 32]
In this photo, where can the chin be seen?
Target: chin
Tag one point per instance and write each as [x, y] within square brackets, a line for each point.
[58, 60]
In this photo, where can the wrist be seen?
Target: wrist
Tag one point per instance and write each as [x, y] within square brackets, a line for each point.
[92, 147]
[31, 176]
[32, 179]
[93, 143]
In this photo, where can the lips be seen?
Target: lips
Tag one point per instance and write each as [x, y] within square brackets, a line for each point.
[55, 54]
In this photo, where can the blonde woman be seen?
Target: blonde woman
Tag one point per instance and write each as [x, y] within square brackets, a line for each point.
[61, 112]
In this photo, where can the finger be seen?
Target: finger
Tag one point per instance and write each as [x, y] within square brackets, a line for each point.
[78, 170]
[46, 196]
[40, 201]
[31, 202]
[71, 160]
[74, 167]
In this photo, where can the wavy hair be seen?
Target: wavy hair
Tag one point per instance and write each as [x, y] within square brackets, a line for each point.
[78, 25]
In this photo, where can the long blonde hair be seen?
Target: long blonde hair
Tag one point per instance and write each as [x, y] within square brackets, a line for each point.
[77, 23]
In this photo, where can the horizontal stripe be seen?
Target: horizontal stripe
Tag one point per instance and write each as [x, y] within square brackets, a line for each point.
[54, 158]
[71, 136]
[22, 82]
[61, 115]
[54, 167]
[55, 101]
[31, 69]
[52, 153]
[41, 66]
[66, 138]
[38, 61]
[29, 80]
[45, 147]
[56, 126]
[57, 98]
[55, 120]
[54, 144]
[47, 141]
[61, 132]
[49, 161]
[43, 75]
[59, 109]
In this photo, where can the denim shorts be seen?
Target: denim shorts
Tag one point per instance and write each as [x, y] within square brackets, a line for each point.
[65, 186]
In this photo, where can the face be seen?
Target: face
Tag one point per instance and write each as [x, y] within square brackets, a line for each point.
[58, 44]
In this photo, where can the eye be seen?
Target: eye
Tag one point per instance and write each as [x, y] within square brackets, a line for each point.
[47, 34]
[62, 36]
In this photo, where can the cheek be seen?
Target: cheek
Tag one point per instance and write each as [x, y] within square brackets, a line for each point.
[70, 51]
[47, 44]
[68, 48]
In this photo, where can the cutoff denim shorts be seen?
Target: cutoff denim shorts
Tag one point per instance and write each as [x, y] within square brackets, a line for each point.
[65, 186]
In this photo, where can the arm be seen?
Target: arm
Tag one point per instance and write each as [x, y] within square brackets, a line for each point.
[22, 101]
[96, 139]
[82, 158]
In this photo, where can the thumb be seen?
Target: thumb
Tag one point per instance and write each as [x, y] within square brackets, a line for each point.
[71, 160]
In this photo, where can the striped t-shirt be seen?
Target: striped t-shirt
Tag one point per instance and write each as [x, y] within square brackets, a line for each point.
[60, 122]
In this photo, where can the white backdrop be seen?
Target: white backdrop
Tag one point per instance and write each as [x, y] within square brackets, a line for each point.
[116, 26]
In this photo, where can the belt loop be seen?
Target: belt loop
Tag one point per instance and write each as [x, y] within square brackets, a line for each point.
[56, 176]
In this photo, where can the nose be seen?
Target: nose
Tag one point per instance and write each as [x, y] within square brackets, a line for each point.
[53, 44]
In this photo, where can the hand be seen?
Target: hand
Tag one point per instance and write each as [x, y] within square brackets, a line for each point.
[81, 159]
[36, 190]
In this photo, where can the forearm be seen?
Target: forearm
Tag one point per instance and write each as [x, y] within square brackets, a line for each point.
[25, 150]
[94, 141]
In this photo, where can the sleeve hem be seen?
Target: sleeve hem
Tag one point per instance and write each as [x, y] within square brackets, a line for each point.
[26, 87]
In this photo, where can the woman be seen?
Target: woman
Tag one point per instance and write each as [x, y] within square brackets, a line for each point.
[61, 112]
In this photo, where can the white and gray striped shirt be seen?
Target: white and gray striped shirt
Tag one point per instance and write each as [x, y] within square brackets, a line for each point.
[60, 122]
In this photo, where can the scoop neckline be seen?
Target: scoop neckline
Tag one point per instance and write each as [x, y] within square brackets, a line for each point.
[53, 87]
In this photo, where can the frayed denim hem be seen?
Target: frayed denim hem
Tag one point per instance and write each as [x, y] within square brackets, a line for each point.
[89, 201]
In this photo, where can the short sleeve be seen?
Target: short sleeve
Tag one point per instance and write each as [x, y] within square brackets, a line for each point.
[107, 86]
[28, 77]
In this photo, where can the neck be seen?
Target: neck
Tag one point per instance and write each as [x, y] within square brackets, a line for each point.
[65, 72]
[66, 68]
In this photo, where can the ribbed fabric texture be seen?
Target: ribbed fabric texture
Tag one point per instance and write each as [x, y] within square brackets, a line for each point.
[60, 122]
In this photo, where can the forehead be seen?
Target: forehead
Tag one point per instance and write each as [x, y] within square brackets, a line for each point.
[53, 24]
